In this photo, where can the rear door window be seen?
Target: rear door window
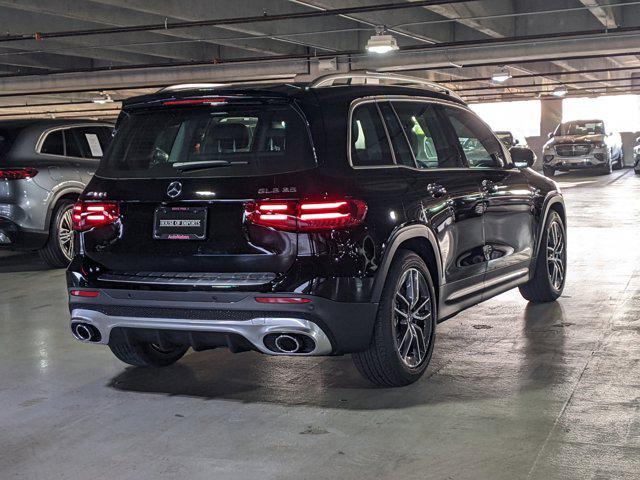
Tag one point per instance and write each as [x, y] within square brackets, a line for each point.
[401, 148]
[92, 141]
[220, 140]
[71, 144]
[369, 142]
[53, 144]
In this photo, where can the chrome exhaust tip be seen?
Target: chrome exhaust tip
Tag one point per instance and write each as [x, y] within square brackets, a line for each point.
[287, 344]
[85, 332]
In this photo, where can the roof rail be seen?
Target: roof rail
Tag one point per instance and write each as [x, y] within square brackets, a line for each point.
[415, 82]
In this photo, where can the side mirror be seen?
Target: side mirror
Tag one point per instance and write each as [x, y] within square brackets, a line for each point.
[516, 141]
[550, 135]
[522, 157]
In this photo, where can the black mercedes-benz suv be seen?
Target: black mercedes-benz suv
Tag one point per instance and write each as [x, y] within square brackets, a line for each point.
[317, 219]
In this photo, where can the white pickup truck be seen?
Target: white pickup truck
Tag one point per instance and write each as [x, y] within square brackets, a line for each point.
[582, 144]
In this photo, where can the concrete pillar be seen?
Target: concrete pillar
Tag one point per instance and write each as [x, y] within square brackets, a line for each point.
[551, 116]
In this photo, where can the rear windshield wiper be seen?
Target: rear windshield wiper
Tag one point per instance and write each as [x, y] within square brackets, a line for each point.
[186, 166]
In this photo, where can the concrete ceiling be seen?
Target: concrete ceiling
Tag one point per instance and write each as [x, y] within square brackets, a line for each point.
[545, 43]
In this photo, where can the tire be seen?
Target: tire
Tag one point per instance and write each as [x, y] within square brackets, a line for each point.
[607, 168]
[382, 363]
[620, 162]
[636, 167]
[147, 354]
[58, 253]
[548, 171]
[544, 286]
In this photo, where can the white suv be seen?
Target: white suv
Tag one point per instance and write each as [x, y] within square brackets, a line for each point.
[582, 144]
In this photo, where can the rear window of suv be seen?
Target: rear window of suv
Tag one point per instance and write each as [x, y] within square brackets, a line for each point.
[218, 141]
[7, 137]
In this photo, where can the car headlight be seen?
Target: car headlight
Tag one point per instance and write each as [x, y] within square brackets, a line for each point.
[599, 145]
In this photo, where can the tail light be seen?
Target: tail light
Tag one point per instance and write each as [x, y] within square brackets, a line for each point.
[88, 215]
[307, 216]
[281, 300]
[17, 173]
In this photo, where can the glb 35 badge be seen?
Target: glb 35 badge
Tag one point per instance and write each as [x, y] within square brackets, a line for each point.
[268, 191]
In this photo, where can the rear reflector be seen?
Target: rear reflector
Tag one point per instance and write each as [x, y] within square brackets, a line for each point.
[88, 215]
[85, 293]
[307, 216]
[17, 173]
[280, 300]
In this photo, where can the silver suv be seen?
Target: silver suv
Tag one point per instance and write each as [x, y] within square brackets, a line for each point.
[582, 144]
[44, 166]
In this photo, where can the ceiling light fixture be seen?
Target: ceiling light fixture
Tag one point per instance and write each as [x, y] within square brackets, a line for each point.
[382, 42]
[105, 98]
[560, 91]
[501, 75]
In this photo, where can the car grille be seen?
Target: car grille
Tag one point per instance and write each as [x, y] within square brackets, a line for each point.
[573, 150]
[190, 278]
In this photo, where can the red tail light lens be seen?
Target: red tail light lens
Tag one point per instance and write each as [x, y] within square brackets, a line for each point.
[281, 300]
[307, 216]
[17, 173]
[88, 215]
[85, 293]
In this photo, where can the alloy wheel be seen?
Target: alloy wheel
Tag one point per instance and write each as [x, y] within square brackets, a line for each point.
[65, 234]
[556, 255]
[412, 320]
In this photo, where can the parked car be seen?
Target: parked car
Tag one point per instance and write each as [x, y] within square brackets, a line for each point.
[44, 166]
[509, 139]
[583, 144]
[306, 220]
[636, 157]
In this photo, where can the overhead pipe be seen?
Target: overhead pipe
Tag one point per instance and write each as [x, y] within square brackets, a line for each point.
[527, 85]
[547, 74]
[515, 40]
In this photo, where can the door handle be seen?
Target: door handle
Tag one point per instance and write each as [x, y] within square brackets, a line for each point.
[489, 186]
[436, 190]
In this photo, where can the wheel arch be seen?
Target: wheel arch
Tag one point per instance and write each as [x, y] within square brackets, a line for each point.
[553, 203]
[69, 193]
[419, 239]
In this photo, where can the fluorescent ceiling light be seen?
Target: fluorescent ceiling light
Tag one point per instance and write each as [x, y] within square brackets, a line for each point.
[381, 42]
[560, 91]
[501, 76]
[105, 98]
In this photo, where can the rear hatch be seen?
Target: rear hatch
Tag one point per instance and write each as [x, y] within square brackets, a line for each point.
[183, 173]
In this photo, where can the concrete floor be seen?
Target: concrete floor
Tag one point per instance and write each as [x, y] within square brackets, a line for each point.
[514, 391]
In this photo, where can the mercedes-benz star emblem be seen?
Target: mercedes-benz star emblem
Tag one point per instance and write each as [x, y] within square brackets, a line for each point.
[174, 189]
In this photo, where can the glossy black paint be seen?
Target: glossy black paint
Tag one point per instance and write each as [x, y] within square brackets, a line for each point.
[477, 229]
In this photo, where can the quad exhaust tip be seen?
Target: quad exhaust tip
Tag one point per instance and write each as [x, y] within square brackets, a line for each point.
[85, 332]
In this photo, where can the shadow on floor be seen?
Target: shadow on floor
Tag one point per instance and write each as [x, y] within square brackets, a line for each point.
[333, 382]
[21, 262]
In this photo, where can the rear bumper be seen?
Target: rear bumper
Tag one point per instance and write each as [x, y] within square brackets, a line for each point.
[208, 320]
[13, 237]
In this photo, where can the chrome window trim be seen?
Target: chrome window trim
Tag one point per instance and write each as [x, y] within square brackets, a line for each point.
[45, 133]
[405, 98]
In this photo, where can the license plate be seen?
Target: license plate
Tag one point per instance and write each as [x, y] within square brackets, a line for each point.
[180, 223]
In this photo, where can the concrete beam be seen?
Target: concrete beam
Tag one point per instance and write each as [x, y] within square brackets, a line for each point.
[117, 79]
[604, 15]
